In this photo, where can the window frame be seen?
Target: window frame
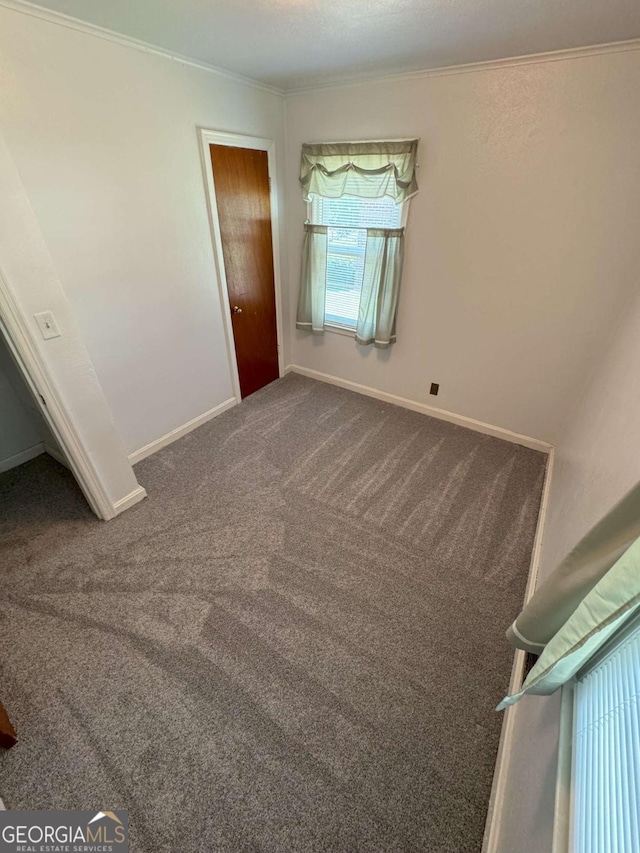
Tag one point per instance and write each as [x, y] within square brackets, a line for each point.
[564, 799]
[336, 328]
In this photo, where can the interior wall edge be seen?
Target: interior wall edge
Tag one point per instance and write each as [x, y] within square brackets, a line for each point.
[582, 393]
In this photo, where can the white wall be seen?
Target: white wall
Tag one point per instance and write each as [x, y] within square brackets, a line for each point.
[104, 137]
[519, 245]
[60, 368]
[22, 429]
[597, 462]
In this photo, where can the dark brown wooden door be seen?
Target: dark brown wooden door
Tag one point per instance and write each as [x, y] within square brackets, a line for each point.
[241, 177]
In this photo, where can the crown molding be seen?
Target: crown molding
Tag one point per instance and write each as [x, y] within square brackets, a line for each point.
[60, 19]
[474, 67]
[71, 23]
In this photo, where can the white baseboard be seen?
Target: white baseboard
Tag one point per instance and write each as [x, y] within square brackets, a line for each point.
[175, 434]
[431, 411]
[500, 776]
[22, 457]
[129, 500]
[55, 454]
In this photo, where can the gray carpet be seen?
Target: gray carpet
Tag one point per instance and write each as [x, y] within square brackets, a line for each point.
[295, 644]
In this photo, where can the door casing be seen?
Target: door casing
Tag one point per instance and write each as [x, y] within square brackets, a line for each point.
[233, 140]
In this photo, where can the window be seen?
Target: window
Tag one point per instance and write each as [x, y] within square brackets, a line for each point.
[605, 790]
[347, 219]
[353, 243]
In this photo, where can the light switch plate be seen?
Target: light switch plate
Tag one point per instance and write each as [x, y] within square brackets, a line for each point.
[47, 325]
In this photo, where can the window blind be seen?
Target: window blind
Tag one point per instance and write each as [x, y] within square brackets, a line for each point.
[348, 218]
[606, 753]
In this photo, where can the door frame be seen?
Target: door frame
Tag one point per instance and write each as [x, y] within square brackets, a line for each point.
[19, 337]
[256, 143]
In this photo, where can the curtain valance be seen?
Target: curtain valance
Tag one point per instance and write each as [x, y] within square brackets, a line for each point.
[363, 169]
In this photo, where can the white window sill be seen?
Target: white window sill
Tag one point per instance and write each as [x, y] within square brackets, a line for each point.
[340, 330]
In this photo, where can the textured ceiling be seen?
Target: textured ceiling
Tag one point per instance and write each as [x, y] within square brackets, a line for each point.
[297, 43]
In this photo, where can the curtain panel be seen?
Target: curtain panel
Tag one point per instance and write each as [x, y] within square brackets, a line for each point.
[587, 563]
[364, 169]
[313, 279]
[384, 253]
[589, 595]
[383, 259]
[603, 610]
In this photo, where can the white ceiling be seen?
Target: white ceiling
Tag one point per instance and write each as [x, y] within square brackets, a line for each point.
[297, 43]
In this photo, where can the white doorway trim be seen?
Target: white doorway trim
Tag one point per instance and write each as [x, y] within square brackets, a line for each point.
[234, 140]
[18, 336]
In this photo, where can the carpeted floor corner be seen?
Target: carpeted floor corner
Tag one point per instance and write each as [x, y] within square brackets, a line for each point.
[294, 645]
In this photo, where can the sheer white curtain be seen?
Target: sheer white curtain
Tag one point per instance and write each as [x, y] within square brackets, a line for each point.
[313, 279]
[380, 286]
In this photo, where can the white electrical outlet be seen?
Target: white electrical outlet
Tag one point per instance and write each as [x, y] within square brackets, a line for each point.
[47, 325]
